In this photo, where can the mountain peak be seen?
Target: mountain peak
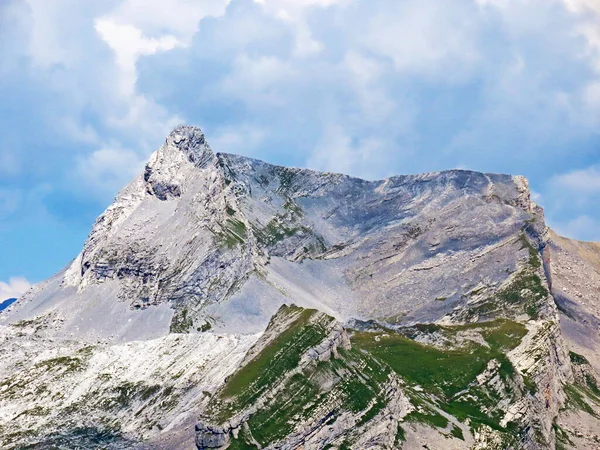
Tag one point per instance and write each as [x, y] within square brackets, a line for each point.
[191, 141]
[185, 150]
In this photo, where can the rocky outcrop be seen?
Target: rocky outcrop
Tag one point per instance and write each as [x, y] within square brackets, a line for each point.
[212, 437]
[338, 338]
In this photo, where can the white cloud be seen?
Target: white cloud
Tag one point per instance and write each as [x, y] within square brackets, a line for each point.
[293, 12]
[338, 152]
[589, 28]
[575, 195]
[129, 43]
[583, 5]
[582, 227]
[50, 23]
[425, 38]
[178, 17]
[579, 182]
[108, 167]
[132, 30]
[241, 140]
[258, 80]
[14, 288]
[365, 74]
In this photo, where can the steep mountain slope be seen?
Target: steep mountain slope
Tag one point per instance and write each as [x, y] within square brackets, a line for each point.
[424, 314]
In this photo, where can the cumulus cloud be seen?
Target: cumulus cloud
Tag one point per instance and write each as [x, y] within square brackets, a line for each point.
[129, 44]
[179, 18]
[14, 288]
[241, 140]
[383, 72]
[582, 227]
[459, 80]
[571, 200]
[90, 89]
[579, 182]
[108, 167]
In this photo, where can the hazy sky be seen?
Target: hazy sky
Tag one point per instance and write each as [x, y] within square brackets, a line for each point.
[88, 89]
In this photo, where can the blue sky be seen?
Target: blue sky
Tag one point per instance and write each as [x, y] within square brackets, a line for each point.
[367, 87]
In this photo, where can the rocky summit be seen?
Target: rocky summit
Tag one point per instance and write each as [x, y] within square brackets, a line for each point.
[224, 302]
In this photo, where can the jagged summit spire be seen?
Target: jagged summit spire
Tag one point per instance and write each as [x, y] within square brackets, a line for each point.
[185, 150]
[192, 142]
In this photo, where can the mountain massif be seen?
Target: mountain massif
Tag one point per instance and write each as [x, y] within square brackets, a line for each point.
[223, 302]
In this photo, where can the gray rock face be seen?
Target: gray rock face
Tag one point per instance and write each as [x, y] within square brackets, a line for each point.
[208, 437]
[193, 229]
[574, 271]
[213, 244]
[218, 238]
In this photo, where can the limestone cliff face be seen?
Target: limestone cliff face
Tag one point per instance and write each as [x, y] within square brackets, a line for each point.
[181, 287]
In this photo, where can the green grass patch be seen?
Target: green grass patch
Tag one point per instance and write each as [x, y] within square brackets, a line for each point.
[206, 326]
[400, 435]
[375, 409]
[524, 281]
[276, 421]
[530, 385]
[273, 362]
[355, 381]
[234, 233]
[181, 322]
[577, 359]
[127, 393]
[293, 207]
[276, 231]
[450, 373]
[592, 384]
[563, 441]
[473, 407]
[503, 335]
[62, 363]
[525, 291]
[578, 398]
[242, 442]
[359, 388]
[445, 372]
[287, 178]
[457, 433]
[534, 255]
[429, 417]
